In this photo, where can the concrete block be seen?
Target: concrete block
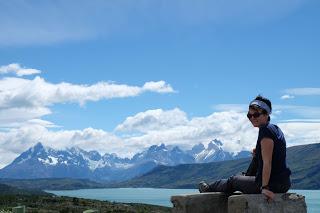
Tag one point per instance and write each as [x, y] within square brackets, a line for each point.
[257, 203]
[91, 211]
[200, 203]
[19, 209]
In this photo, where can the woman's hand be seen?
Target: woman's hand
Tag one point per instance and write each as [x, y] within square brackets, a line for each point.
[253, 153]
[269, 194]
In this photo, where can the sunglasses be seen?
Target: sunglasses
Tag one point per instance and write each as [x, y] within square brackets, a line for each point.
[255, 115]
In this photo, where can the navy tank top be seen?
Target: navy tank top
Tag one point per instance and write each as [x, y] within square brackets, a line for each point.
[280, 173]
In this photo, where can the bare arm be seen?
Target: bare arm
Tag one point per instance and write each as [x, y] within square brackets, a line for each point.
[266, 151]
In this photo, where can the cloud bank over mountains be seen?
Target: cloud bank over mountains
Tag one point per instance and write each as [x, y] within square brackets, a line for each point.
[25, 101]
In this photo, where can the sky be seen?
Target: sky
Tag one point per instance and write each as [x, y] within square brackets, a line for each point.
[120, 76]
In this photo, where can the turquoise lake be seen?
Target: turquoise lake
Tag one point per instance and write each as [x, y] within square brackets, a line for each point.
[162, 196]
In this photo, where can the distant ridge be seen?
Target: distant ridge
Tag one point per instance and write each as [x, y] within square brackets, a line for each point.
[52, 184]
[12, 190]
[303, 160]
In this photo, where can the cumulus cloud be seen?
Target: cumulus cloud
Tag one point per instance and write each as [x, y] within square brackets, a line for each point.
[171, 127]
[157, 86]
[153, 120]
[38, 92]
[231, 127]
[16, 116]
[17, 140]
[301, 132]
[24, 103]
[23, 99]
[18, 70]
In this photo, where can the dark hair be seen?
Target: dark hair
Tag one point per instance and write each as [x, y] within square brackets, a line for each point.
[265, 100]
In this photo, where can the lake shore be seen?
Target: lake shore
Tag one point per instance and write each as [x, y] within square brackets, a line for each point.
[161, 196]
[60, 204]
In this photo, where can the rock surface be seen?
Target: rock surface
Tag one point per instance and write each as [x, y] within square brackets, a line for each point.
[200, 203]
[251, 203]
[242, 203]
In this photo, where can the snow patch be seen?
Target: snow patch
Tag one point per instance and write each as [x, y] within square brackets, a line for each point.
[49, 161]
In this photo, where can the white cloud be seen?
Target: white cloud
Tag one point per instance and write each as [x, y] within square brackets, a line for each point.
[231, 127]
[171, 127]
[38, 92]
[27, 22]
[155, 126]
[301, 132]
[24, 103]
[16, 116]
[158, 86]
[285, 97]
[18, 70]
[17, 140]
[27, 100]
[303, 91]
[153, 120]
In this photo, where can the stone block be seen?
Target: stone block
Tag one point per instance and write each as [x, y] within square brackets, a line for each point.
[90, 211]
[200, 203]
[19, 209]
[257, 203]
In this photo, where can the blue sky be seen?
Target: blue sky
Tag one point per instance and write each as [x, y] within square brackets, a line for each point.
[205, 60]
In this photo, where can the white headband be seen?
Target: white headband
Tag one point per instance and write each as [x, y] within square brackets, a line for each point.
[261, 105]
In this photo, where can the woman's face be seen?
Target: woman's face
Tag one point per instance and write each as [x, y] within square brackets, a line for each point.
[257, 118]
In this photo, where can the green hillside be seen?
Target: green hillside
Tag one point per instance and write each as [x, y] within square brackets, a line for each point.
[52, 183]
[11, 190]
[303, 161]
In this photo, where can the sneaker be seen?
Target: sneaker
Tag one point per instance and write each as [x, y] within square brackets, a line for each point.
[203, 187]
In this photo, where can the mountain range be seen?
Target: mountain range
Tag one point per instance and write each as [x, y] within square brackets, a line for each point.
[45, 162]
[303, 161]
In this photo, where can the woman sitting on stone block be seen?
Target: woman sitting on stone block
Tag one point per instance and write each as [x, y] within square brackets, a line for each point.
[268, 172]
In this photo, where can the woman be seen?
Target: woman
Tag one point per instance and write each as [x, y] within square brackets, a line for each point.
[272, 174]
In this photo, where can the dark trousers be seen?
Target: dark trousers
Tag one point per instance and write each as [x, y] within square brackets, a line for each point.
[245, 184]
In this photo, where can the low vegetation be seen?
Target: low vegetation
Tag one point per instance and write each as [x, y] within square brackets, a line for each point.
[38, 201]
[55, 204]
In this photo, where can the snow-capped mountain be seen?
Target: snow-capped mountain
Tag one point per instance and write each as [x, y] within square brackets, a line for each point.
[161, 155]
[45, 162]
[213, 152]
[196, 149]
[70, 157]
